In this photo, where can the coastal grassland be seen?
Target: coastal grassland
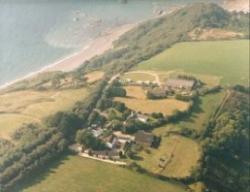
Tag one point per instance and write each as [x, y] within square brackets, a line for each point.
[94, 76]
[79, 174]
[10, 122]
[137, 101]
[228, 60]
[177, 153]
[139, 76]
[32, 106]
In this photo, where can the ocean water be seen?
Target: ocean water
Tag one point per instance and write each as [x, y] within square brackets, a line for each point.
[35, 33]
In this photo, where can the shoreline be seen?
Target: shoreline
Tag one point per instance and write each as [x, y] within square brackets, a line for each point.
[71, 62]
[103, 43]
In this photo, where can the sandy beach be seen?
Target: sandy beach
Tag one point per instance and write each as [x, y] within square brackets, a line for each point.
[69, 63]
[97, 47]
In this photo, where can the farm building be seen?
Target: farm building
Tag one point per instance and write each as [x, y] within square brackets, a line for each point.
[143, 138]
[142, 118]
[180, 84]
[123, 138]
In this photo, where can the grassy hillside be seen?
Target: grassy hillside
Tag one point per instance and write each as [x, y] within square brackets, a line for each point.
[29, 106]
[78, 174]
[201, 113]
[227, 60]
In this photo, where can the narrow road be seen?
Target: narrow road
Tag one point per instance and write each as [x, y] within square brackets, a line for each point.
[103, 160]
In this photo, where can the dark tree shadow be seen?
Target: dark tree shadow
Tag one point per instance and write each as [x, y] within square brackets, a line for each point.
[40, 174]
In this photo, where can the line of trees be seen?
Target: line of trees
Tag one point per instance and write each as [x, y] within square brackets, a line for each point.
[20, 162]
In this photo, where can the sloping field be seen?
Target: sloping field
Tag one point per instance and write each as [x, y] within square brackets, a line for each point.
[136, 100]
[201, 113]
[175, 157]
[228, 60]
[21, 107]
[78, 174]
[94, 76]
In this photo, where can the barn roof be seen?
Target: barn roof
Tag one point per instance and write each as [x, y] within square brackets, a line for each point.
[144, 137]
[181, 83]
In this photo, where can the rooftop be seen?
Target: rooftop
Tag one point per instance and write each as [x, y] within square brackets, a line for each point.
[144, 137]
[180, 83]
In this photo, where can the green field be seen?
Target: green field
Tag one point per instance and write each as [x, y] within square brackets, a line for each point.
[201, 113]
[228, 60]
[77, 174]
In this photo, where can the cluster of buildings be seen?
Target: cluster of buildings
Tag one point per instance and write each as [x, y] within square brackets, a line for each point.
[174, 86]
[117, 142]
[171, 86]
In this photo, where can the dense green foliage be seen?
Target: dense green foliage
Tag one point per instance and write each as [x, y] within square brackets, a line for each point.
[116, 92]
[5, 146]
[66, 123]
[226, 146]
[88, 140]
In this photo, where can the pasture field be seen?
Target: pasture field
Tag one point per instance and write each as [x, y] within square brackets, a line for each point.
[200, 115]
[78, 174]
[226, 60]
[137, 101]
[28, 106]
[175, 157]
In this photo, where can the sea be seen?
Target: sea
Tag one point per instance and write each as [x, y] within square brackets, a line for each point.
[37, 33]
